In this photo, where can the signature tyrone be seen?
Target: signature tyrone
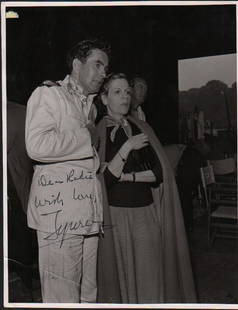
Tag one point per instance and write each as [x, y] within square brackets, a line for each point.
[65, 231]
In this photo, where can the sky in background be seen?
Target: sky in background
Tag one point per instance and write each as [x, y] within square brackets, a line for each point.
[196, 72]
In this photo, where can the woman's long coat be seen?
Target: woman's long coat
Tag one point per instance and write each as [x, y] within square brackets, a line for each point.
[177, 284]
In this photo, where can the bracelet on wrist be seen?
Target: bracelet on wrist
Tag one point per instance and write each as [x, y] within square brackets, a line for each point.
[122, 158]
[133, 177]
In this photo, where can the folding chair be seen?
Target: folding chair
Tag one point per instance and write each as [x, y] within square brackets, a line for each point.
[225, 170]
[221, 203]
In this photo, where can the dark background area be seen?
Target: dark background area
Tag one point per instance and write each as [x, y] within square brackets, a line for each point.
[146, 40]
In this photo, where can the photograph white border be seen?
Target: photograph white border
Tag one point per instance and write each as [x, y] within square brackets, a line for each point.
[4, 6]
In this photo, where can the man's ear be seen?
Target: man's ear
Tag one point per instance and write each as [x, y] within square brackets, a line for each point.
[76, 65]
[104, 99]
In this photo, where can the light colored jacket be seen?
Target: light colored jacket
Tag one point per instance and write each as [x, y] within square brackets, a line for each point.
[65, 193]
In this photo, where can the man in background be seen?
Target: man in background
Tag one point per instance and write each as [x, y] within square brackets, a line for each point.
[139, 91]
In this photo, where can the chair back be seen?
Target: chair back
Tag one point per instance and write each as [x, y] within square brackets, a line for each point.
[224, 166]
[207, 178]
[207, 175]
[221, 203]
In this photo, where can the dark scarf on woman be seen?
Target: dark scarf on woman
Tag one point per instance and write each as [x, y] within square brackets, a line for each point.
[177, 284]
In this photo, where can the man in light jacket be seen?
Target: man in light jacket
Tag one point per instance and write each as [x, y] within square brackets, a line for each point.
[65, 199]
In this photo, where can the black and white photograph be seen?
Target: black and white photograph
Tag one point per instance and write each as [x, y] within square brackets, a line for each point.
[119, 161]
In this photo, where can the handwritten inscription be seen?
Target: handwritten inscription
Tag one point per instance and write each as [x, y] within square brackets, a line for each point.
[54, 200]
[43, 181]
[71, 177]
[80, 196]
[60, 230]
[66, 204]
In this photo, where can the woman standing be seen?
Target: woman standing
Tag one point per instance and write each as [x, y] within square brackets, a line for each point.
[143, 255]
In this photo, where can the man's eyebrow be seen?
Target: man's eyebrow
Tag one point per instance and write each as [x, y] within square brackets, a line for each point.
[101, 62]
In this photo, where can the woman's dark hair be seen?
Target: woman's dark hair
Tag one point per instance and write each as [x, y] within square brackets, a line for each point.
[101, 108]
[83, 49]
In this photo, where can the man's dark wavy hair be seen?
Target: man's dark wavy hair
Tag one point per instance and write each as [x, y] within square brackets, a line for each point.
[83, 49]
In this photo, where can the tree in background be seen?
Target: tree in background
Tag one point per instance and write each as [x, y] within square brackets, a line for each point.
[212, 98]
